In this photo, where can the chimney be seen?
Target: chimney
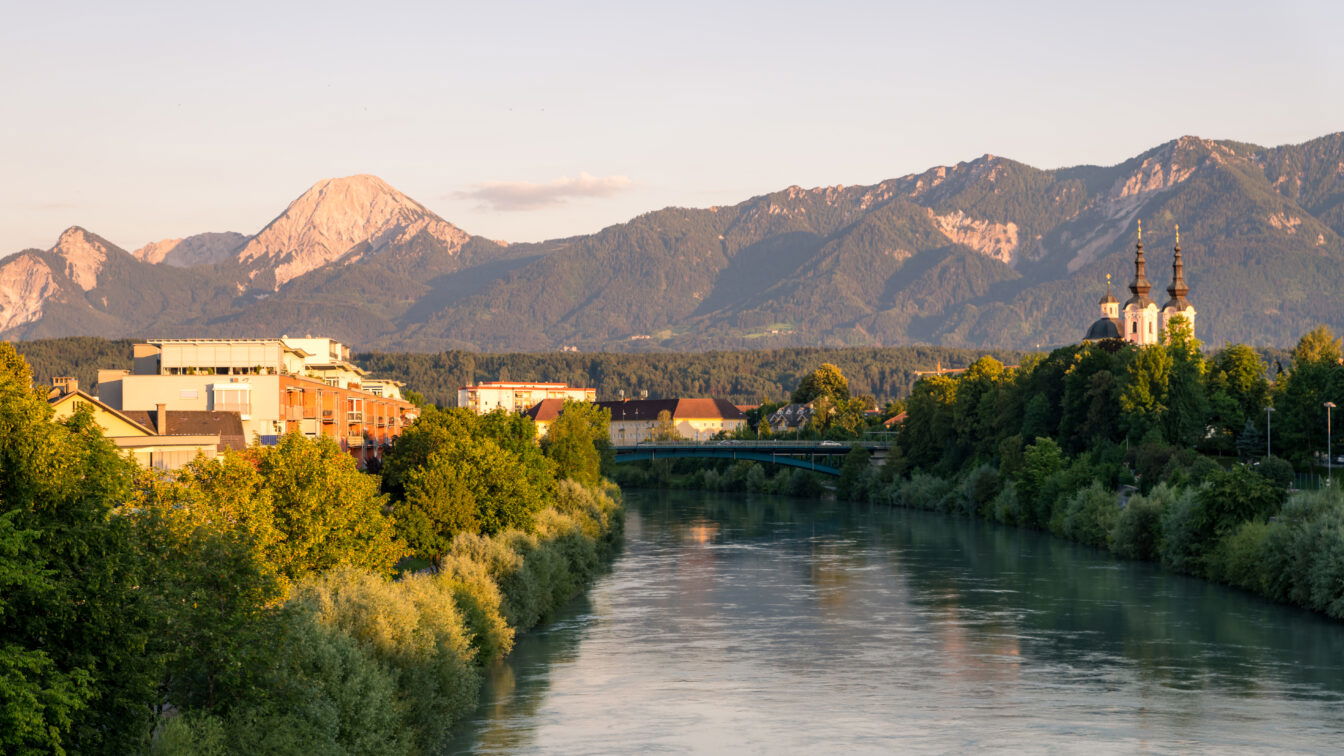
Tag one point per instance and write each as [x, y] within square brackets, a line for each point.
[161, 419]
[65, 384]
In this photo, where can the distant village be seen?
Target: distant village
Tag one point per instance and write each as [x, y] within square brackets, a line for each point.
[188, 397]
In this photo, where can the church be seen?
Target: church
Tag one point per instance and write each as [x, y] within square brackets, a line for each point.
[1141, 321]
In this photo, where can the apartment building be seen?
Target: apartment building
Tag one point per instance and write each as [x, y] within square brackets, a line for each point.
[517, 397]
[276, 386]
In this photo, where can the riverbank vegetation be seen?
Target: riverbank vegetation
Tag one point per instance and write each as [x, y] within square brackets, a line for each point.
[741, 476]
[1154, 453]
[254, 604]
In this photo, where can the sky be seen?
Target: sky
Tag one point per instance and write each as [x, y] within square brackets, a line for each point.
[525, 121]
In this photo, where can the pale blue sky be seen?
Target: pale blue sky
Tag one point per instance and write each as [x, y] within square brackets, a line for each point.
[142, 120]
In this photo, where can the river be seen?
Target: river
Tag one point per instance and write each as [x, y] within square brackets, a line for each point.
[738, 623]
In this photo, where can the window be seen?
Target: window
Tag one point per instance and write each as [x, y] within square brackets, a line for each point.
[1134, 327]
[233, 398]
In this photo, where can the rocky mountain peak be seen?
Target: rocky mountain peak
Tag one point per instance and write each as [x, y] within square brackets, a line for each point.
[199, 249]
[84, 254]
[331, 218]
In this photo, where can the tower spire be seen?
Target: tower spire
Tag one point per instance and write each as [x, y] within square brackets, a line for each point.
[1178, 289]
[1140, 287]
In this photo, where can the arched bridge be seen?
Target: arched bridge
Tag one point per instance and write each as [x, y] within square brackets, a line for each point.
[817, 456]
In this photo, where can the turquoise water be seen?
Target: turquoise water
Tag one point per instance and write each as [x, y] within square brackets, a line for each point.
[735, 623]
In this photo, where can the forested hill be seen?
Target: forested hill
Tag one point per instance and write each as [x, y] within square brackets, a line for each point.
[990, 253]
[743, 377]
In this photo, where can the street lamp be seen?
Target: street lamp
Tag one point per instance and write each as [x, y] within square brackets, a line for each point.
[1329, 471]
[1269, 439]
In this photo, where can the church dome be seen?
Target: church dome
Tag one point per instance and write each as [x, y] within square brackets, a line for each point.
[1104, 328]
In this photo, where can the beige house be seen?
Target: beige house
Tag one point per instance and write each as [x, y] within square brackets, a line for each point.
[634, 421]
[517, 397]
[545, 412]
[161, 439]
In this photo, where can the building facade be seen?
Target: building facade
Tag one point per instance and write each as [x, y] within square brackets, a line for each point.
[275, 386]
[1141, 321]
[635, 420]
[517, 397]
[162, 439]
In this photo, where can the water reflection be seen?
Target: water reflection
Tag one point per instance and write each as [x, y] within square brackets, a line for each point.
[764, 623]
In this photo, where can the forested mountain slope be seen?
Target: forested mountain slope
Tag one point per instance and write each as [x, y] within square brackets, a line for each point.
[989, 253]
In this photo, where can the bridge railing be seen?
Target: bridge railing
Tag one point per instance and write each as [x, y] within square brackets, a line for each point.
[830, 447]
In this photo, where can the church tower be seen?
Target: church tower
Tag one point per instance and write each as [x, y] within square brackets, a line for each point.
[1178, 304]
[1107, 326]
[1141, 315]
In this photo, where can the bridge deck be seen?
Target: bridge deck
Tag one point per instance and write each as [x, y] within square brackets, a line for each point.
[800, 454]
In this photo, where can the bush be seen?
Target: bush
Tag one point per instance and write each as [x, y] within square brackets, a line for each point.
[979, 489]
[1006, 507]
[924, 491]
[1276, 470]
[1090, 515]
[1239, 557]
[414, 628]
[1182, 544]
[1138, 528]
[1234, 496]
[314, 690]
[1304, 552]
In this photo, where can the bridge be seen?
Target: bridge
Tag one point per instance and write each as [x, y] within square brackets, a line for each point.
[816, 456]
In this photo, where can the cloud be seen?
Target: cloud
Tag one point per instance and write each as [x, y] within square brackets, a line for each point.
[526, 195]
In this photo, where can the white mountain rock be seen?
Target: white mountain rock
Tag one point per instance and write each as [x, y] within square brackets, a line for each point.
[200, 249]
[84, 255]
[330, 219]
[26, 284]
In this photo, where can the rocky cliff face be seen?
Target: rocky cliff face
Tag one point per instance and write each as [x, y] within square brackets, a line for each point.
[331, 220]
[26, 284]
[199, 249]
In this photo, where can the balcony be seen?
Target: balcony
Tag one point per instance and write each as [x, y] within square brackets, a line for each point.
[354, 417]
[355, 442]
[382, 423]
[328, 416]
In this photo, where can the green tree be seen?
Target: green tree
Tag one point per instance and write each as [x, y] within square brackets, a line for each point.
[576, 440]
[826, 380]
[75, 627]
[1187, 410]
[433, 429]
[1315, 377]
[329, 512]
[854, 474]
[1238, 389]
[1143, 392]
[665, 429]
[37, 701]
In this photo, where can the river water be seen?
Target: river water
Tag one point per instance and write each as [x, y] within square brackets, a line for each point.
[736, 623]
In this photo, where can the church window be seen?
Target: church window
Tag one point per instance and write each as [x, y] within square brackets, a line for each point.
[1134, 327]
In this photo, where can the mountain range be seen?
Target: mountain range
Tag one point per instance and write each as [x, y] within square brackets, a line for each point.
[989, 253]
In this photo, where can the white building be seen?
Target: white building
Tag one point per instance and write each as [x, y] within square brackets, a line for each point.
[1143, 322]
[517, 397]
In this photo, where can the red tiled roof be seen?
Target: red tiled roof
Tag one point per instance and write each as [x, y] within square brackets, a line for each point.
[546, 410]
[680, 409]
